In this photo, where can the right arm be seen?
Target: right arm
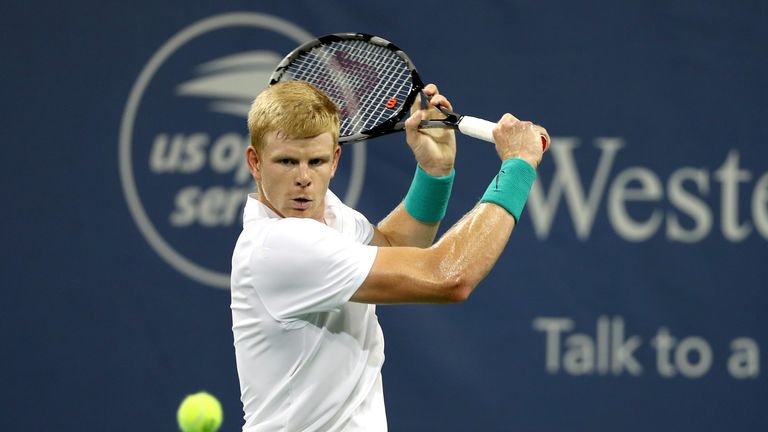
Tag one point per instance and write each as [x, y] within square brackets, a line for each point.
[446, 272]
[450, 270]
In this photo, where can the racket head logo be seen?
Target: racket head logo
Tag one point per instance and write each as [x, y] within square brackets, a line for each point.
[183, 137]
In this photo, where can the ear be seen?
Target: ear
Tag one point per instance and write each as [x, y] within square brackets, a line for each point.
[254, 163]
[336, 157]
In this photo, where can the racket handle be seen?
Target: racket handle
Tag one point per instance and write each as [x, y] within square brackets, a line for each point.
[477, 128]
[483, 129]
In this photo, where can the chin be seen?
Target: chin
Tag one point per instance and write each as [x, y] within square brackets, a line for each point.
[307, 214]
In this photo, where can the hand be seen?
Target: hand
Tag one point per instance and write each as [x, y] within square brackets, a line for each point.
[435, 149]
[520, 139]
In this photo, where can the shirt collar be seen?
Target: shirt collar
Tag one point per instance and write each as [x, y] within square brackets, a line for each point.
[256, 210]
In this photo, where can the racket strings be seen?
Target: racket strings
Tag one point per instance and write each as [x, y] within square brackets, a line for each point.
[357, 75]
[372, 111]
[399, 80]
[361, 78]
[362, 68]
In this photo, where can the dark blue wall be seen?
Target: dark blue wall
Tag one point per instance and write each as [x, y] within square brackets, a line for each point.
[631, 296]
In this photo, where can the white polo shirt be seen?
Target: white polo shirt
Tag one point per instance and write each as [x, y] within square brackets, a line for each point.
[307, 358]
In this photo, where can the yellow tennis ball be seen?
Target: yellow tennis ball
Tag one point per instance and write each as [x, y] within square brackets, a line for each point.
[199, 412]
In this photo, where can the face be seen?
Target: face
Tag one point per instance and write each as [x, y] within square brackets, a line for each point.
[293, 174]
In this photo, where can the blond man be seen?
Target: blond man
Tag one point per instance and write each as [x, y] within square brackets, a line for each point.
[307, 270]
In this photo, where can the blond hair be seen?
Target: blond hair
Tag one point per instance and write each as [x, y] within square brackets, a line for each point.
[295, 109]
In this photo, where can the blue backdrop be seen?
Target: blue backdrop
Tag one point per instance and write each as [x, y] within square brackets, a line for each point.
[631, 296]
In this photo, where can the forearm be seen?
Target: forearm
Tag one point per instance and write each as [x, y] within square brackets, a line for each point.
[400, 229]
[469, 250]
[446, 272]
[473, 245]
[451, 269]
[415, 221]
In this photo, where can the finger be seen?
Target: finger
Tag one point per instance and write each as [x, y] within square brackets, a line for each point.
[440, 100]
[509, 119]
[506, 123]
[435, 98]
[502, 128]
[545, 139]
[430, 90]
[412, 131]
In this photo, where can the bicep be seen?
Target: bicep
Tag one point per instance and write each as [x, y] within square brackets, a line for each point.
[406, 275]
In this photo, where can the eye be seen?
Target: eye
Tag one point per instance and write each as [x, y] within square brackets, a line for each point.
[316, 162]
[287, 161]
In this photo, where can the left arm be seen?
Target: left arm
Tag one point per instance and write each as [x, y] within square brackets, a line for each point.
[435, 152]
[401, 229]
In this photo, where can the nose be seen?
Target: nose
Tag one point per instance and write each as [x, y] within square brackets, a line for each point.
[303, 178]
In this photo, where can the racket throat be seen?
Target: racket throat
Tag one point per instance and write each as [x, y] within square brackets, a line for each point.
[440, 124]
[450, 121]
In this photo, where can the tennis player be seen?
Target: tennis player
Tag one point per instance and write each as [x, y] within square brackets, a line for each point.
[307, 270]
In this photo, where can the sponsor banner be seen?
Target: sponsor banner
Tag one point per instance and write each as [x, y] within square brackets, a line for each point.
[630, 297]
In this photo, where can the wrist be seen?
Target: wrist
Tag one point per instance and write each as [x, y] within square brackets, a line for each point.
[427, 199]
[436, 170]
[510, 188]
[531, 160]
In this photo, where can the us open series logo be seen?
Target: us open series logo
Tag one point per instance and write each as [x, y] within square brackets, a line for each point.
[183, 138]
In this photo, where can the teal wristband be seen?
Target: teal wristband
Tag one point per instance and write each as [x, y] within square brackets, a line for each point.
[511, 186]
[427, 199]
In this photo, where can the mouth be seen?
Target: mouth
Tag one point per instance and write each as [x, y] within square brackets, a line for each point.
[301, 203]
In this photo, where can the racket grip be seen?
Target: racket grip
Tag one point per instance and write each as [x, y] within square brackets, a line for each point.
[483, 129]
[477, 128]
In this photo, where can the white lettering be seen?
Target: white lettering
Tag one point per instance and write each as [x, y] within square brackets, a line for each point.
[185, 206]
[608, 351]
[567, 182]
[730, 176]
[745, 358]
[187, 154]
[553, 327]
[161, 158]
[579, 355]
[215, 206]
[183, 153]
[663, 342]
[760, 206]
[673, 357]
[683, 361]
[638, 184]
[622, 357]
[603, 354]
[690, 205]
[227, 153]
[649, 190]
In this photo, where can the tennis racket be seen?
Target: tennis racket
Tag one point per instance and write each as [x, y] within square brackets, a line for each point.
[373, 83]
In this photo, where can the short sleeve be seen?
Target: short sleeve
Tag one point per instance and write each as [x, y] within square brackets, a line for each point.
[304, 267]
[363, 228]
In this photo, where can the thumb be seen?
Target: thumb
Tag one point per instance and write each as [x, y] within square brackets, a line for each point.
[412, 127]
[412, 123]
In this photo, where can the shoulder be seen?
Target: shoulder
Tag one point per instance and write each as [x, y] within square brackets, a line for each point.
[348, 220]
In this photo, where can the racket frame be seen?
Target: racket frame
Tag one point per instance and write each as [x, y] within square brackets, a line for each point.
[395, 122]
